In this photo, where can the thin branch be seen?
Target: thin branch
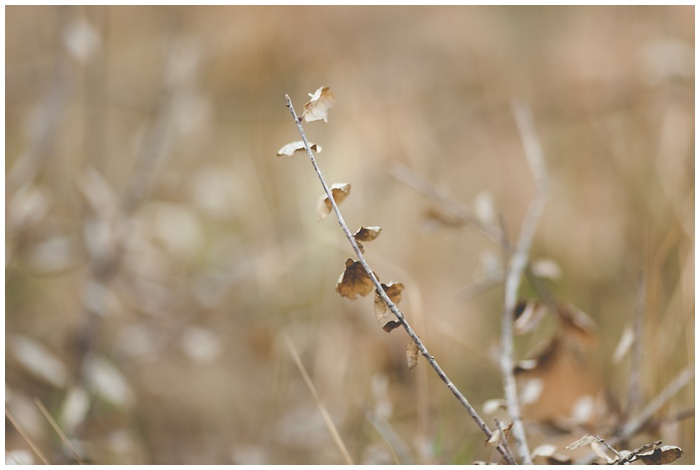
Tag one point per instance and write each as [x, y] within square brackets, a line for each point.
[390, 304]
[324, 412]
[516, 267]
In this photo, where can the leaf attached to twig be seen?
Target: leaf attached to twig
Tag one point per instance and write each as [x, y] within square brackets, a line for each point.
[384, 316]
[354, 280]
[317, 108]
[297, 146]
[661, 455]
[340, 191]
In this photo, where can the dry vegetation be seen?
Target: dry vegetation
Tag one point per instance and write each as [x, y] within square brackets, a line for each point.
[161, 260]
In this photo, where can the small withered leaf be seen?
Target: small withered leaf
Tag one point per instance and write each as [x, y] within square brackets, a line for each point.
[381, 310]
[317, 108]
[528, 316]
[494, 440]
[661, 455]
[412, 355]
[367, 234]
[584, 441]
[354, 281]
[324, 207]
[297, 146]
[392, 325]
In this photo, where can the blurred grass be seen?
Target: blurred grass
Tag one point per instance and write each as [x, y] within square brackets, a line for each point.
[224, 253]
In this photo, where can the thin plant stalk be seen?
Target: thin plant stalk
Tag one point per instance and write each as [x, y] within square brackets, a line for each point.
[390, 304]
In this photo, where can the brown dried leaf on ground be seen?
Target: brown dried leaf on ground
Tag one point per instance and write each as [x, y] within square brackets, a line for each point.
[354, 281]
[384, 316]
[340, 191]
[297, 146]
[317, 108]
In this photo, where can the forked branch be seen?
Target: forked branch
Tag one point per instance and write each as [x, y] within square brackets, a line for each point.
[389, 303]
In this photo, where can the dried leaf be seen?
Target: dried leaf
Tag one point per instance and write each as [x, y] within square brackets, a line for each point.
[623, 346]
[297, 146]
[324, 207]
[661, 455]
[546, 269]
[599, 450]
[544, 450]
[491, 406]
[390, 326]
[412, 355]
[483, 206]
[38, 360]
[317, 108]
[528, 316]
[505, 427]
[584, 441]
[367, 234]
[531, 390]
[381, 310]
[549, 453]
[354, 280]
[494, 440]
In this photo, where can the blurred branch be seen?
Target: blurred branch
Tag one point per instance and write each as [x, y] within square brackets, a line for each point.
[396, 446]
[385, 298]
[48, 117]
[635, 365]
[459, 212]
[640, 421]
[25, 436]
[324, 412]
[516, 266]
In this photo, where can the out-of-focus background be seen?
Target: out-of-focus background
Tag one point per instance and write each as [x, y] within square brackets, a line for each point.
[161, 259]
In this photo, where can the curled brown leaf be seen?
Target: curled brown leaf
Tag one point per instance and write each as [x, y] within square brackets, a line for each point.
[354, 281]
[340, 191]
[317, 108]
[384, 316]
[367, 234]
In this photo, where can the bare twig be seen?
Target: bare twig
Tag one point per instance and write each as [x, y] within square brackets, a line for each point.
[390, 304]
[324, 413]
[516, 267]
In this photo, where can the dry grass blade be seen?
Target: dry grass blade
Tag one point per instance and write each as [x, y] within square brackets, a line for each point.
[324, 413]
[26, 438]
[58, 430]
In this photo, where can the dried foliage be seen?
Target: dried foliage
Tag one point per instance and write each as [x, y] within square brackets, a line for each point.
[158, 254]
